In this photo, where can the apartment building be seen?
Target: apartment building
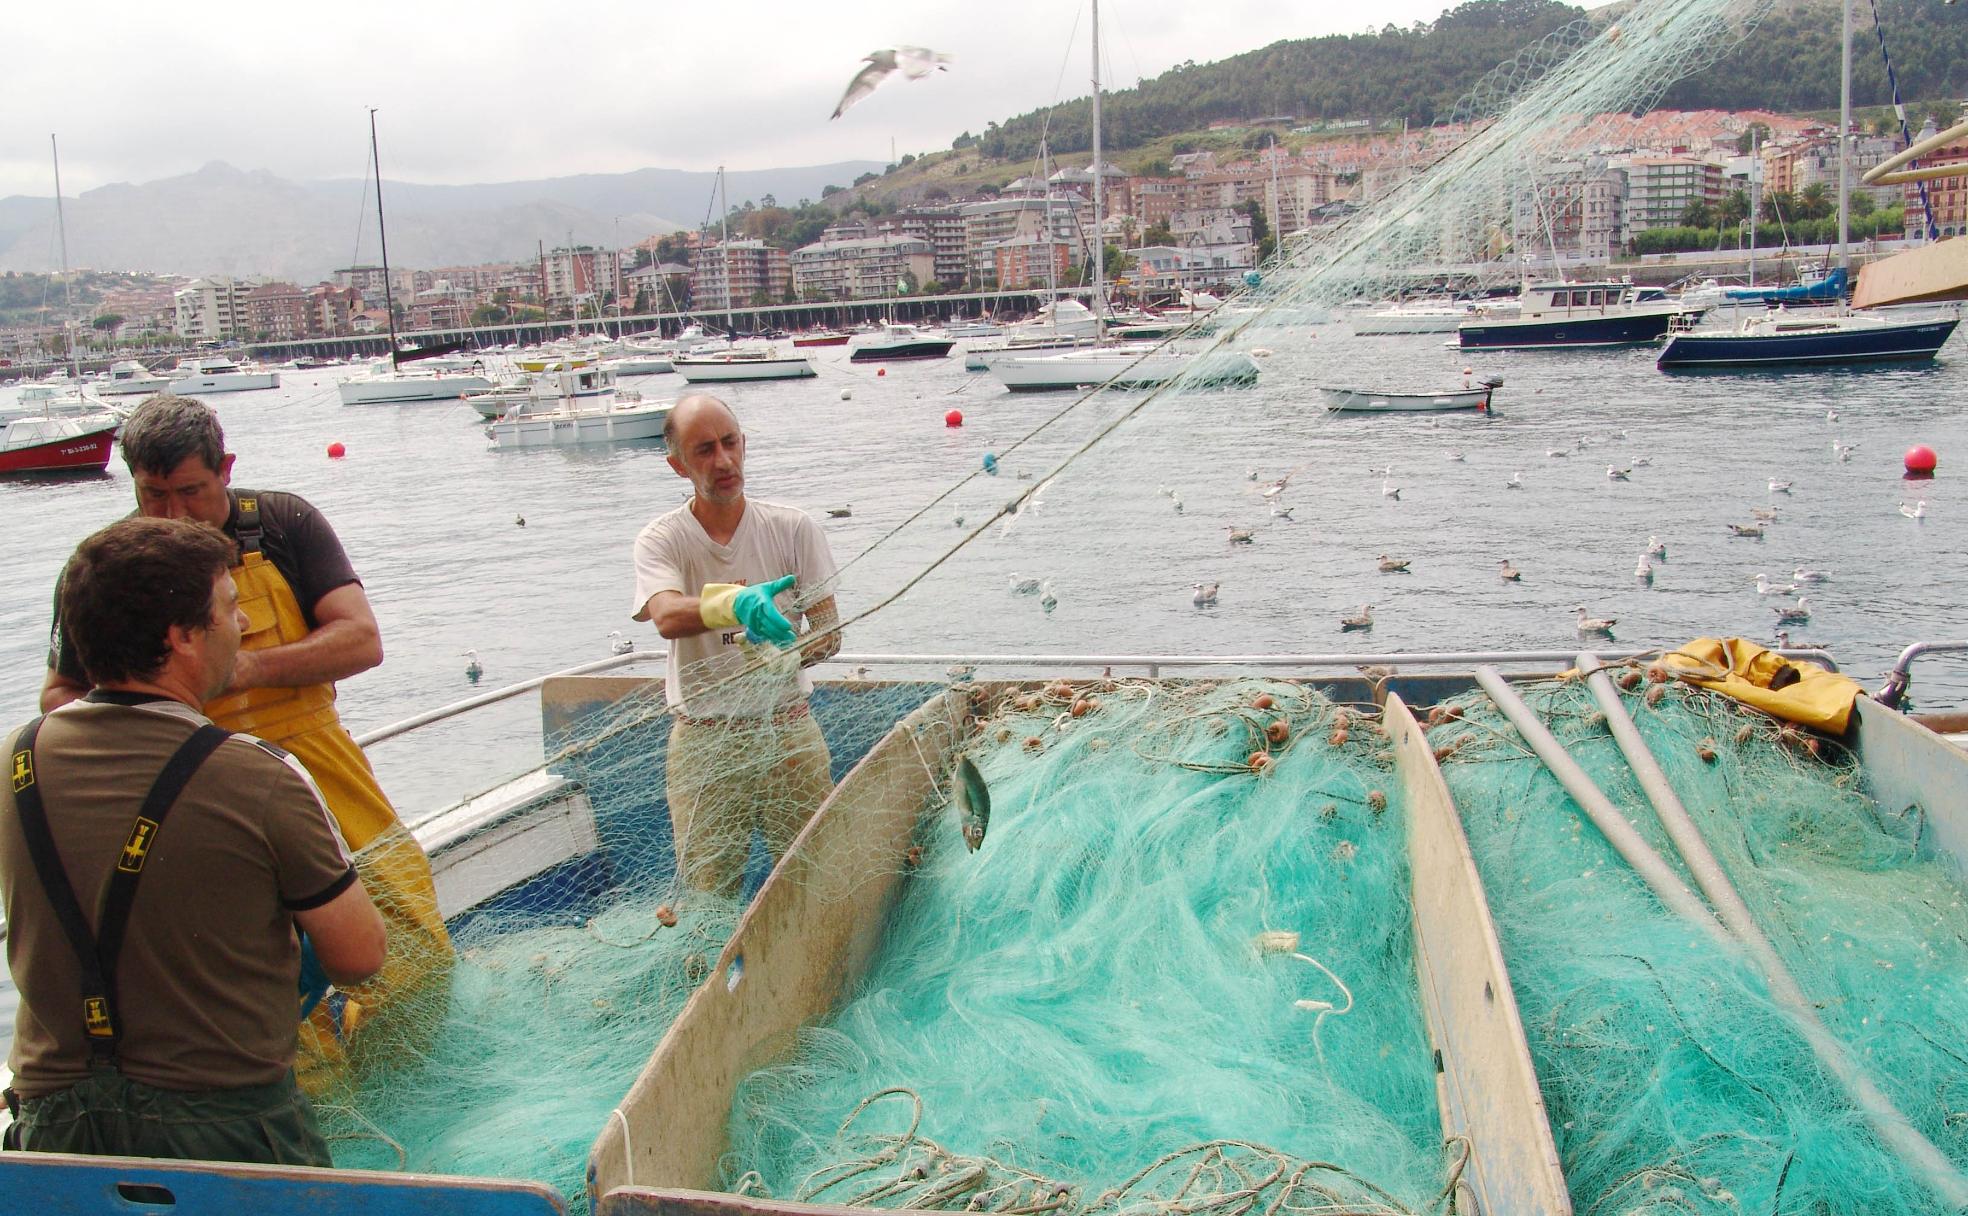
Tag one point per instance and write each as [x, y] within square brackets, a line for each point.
[332, 309]
[212, 310]
[1025, 263]
[993, 223]
[943, 228]
[861, 267]
[581, 274]
[1660, 188]
[1947, 196]
[1578, 209]
[745, 267]
[276, 310]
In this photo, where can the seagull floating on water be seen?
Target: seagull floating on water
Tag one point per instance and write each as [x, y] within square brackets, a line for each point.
[1385, 471]
[1594, 624]
[1389, 490]
[1177, 500]
[1779, 487]
[1508, 572]
[1794, 614]
[1250, 474]
[620, 643]
[1274, 488]
[1393, 565]
[914, 62]
[1802, 575]
[1364, 620]
[1917, 511]
[1556, 452]
[1282, 512]
[1047, 600]
[1843, 451]
[1241, 536]
[519, 521]
[1615, 473]
[1205, 596]
[1767, 514]
[1831, 415]
[1516, 481]
[839, 512]
[1644, 571]
[472, 668]
[1021, 586]
[1765, 587]
[1455, 455]
[1747, 531]
[1640, 462]
[1656, 547]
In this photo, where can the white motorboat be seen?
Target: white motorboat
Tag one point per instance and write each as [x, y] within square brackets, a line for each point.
[742, 363]
[543, 393]
[62, 400]
[608, 418]
[219, 374]
[1138, 366]
[1054, 320]
[1428, 317]
[897, 343]
[1365, 401]
[639, 365]
[382, 384]
[128, 378]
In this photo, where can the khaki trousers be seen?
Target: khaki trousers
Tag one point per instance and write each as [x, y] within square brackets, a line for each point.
[726, 779]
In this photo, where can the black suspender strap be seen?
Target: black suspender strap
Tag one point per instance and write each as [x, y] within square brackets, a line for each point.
[246, 523]
[97, 953]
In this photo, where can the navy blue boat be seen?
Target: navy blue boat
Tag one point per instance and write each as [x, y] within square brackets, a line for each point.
[1574, 314]
[1781, 339]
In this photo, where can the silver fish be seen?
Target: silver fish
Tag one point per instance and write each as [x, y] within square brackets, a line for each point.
[973, 802]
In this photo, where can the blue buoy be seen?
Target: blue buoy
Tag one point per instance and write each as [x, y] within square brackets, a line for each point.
[990, 464]
[1252, 278]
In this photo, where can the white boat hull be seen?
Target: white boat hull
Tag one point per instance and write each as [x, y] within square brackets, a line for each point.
[386, 389]
[722, 371]
[129, 388]
[225, 382]
[1118, 369]
[1382, 323]
[571, 428]
[1359, 401]
[640, 365]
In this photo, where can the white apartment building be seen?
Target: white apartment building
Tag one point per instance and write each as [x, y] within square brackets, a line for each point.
[861, 268]
[211, 310]
[753, 267]
[1001, 221]
[585, 274]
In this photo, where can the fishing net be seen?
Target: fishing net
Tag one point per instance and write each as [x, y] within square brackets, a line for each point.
[1674, 1083]
[1177, 975]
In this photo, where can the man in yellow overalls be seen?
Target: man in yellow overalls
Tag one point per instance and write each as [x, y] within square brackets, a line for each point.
[309, 625]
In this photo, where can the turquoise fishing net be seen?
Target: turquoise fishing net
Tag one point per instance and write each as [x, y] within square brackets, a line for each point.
[1083, 1015]
[1672, 1081]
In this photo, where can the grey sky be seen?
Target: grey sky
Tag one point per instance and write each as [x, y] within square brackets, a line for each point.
[502, 90]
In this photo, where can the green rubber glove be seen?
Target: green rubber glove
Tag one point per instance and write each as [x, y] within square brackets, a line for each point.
[726, 605]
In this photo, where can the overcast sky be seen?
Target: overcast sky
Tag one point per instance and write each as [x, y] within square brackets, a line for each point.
[500, 90]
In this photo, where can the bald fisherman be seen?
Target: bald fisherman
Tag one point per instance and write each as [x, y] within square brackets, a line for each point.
[309, 625]
[725, 578]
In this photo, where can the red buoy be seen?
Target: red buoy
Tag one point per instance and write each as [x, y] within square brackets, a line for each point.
[881, 371]
[1921, 459]
[953, 418]
[336, 451]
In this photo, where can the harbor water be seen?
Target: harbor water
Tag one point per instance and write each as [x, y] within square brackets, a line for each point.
[430, 516]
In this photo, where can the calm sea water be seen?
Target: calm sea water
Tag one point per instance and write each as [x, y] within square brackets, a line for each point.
[427, 512]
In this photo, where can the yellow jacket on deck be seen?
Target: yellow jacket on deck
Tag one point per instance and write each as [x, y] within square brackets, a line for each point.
[1764, 680]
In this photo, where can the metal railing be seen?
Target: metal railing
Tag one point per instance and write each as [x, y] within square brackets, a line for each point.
[1893, 692]
[1153, 665]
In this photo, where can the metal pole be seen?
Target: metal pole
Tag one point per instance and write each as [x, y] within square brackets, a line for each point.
[1845, 139]
[1099, 237]
[382, 238]
[1902, 1137]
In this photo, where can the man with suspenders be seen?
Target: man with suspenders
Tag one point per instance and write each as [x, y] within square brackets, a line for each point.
[154, 869]
[309, 625]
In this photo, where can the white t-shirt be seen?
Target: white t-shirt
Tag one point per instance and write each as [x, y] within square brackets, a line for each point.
[674, 553]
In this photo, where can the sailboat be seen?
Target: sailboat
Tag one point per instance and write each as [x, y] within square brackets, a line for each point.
[1128, 365]
[1815, 338]
[733, 361]
[388, 384]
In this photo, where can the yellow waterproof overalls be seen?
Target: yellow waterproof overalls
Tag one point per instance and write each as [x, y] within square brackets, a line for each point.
[393, 866]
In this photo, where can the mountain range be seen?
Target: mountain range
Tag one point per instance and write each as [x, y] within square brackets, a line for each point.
[223, 220]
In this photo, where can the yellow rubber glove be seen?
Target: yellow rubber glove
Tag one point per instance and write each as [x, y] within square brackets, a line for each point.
[728, 605]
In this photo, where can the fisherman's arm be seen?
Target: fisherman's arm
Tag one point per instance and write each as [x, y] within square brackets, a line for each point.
[58, 690]
[823, 636]
[348, 935]
[677, 615]
[344, 642]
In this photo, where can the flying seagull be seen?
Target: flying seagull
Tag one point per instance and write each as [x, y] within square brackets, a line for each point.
[914, 62]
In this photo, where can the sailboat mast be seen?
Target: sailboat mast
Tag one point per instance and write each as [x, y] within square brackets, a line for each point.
[1755, 194]
[68, 286]
[1099, 244]
[382, 237]
[724, 234]
[1845, 141]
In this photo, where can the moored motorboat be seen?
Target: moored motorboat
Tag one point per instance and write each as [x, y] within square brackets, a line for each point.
[609, 418]
[1559, 315]
[1139, 366]
[897, 343]
[821, 337]
[542, 393]
[1418, 318]
[384, 384]
[219, 374]
[57, 445]
[128, 377]
[1367, 401]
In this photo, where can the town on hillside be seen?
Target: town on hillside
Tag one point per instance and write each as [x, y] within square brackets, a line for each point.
[1636, 187]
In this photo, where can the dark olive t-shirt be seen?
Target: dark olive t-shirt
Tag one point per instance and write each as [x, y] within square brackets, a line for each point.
[209, 970]
[294, 537]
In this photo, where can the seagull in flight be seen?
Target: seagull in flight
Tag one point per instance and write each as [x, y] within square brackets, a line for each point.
[914, 62]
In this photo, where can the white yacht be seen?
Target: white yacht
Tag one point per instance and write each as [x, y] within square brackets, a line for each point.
[1130, 366]
[128, 378]
[382, 384]
[220, 374]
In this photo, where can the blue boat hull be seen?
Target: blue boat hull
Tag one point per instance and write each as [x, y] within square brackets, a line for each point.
[1887, 344]
[1629, 330]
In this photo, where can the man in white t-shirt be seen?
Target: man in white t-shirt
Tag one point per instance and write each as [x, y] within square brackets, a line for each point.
[726, 579]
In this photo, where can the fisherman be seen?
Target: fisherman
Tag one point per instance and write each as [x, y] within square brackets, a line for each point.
[154, 869]
[724, 577]
[309, 625]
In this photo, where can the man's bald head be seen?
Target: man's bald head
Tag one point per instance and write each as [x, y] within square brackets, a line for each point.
[707, 446]
[692, 409]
